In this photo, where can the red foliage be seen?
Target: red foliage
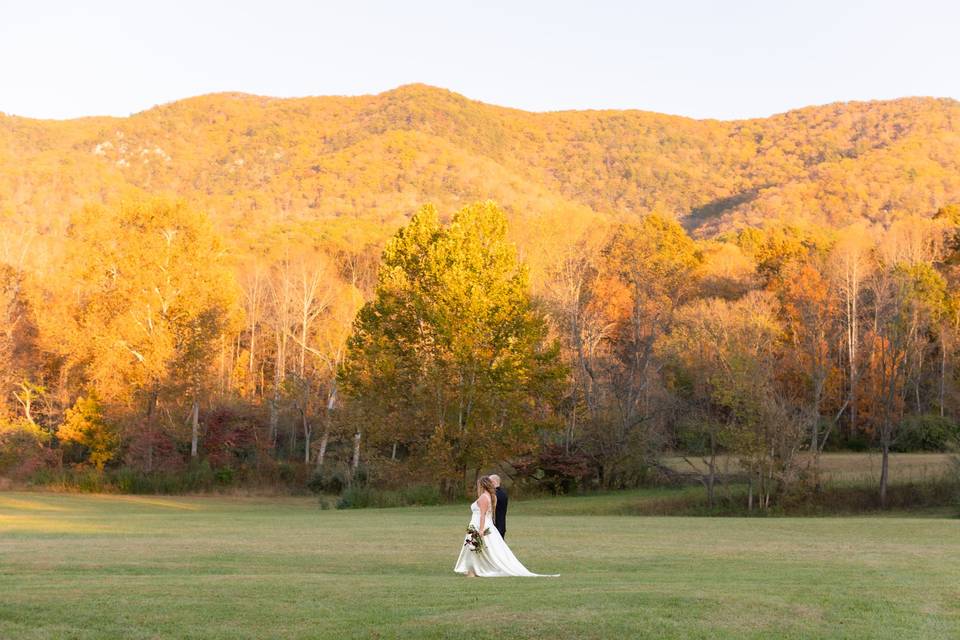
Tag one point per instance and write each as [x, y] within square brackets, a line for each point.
[231, 438]
[152, 449]
[554, 468]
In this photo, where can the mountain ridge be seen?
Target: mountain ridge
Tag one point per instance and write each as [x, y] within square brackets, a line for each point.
[425, 87]
[255, 160]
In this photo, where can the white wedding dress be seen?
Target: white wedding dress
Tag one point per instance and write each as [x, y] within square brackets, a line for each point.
[496, 560]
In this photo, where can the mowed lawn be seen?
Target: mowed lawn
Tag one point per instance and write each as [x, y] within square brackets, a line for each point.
[80, 566]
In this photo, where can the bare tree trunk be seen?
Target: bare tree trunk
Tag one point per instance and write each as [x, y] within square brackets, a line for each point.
[884, 469]
[274, 416]
[356, 455]
[816, 443]
[307, 432]
[292, 449]
[275, 401]
[815, 435]
[303, 344]
[853, 384]
[254, 318]
[712, 468]
[26, 401]
[194, 425]
[327, 424]
[323, 448]
[853, 336]
[307, 427]
[251, 365]
[151, 405]
[943, 374]
[916, 383]
[223, 364]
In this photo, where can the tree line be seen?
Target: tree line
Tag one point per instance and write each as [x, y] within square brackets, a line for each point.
[147, 346]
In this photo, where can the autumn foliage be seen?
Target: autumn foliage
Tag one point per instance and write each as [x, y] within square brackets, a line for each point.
[257, 285]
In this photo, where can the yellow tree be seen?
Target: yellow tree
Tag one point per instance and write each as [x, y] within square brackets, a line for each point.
[84, 426]
[151, 297]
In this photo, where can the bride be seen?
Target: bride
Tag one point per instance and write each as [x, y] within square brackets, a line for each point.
[493, 558]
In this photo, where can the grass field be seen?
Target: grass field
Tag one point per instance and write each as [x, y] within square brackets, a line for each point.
[89, 566]
[848, 468]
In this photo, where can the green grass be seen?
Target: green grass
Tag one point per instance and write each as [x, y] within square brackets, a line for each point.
[87, 566]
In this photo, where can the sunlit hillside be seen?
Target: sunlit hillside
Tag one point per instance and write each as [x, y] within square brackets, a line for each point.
[255, 161]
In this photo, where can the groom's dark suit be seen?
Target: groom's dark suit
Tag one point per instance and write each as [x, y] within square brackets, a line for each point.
[500, 516]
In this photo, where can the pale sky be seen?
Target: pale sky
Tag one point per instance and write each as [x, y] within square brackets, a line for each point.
[61, 59]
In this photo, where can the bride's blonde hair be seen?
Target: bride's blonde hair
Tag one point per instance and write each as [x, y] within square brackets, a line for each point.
[487, 485]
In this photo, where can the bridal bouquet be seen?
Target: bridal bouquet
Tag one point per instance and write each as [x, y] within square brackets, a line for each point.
[474, 540]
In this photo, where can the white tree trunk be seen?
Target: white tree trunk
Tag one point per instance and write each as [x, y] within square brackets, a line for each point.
[327, 423]
[323, 448]
[194, 426]
[356, 454]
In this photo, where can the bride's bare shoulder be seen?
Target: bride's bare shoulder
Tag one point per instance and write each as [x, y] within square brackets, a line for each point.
[484, 499]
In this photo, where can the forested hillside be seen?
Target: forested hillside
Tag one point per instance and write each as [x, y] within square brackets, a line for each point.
[253, 162]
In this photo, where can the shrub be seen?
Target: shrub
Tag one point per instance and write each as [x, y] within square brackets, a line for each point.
[286, 472]
[224, 475]
[358, 497]
[856, 442]
[128, 481]
[554, 469]
[92, 481]
[149, 449]
[421, 494]
[22, 450]
[927, 433]
[231, 439]
[366, 497]
[329, 480]
[197, 477]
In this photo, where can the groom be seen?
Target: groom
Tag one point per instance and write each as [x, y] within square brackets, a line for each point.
[500, 517]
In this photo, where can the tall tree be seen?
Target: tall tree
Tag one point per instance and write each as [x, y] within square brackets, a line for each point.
[811, 336]
[889, 342]
[724, 364]
[581, 327]
[646, 273]
[452, 353]
[851, 263]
